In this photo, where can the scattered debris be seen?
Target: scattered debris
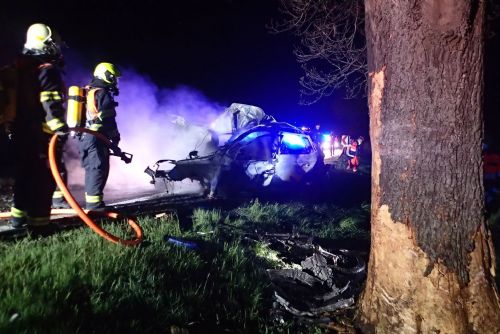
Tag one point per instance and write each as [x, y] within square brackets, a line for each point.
[182, 243]
[165, 215]
[317, 283]
[205, 233]
[14, 317]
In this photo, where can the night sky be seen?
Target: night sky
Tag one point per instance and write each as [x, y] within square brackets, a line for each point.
[221, 48]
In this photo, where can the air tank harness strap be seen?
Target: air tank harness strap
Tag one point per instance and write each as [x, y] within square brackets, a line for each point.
[92, 112]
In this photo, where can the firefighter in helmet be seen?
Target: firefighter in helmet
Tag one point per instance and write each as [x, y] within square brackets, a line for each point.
[352, 156]
[100, 117]
[39, 114]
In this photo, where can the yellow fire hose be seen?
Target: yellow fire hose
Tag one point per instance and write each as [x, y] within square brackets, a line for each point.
[76, 208]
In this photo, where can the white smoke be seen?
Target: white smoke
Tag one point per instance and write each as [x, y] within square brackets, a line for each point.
[155, 123]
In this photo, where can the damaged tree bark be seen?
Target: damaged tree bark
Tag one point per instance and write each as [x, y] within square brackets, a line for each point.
[431, 267]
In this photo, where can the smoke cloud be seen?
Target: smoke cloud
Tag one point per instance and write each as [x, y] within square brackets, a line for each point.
[155, 123]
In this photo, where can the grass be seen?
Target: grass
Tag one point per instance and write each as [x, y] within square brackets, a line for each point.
[320, 220]
[78, 282]
[75, 282]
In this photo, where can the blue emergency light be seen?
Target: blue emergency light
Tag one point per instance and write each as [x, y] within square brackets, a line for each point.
[294, 141]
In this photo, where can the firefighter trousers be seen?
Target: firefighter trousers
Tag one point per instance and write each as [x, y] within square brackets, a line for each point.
[33, 181]
[94, 156]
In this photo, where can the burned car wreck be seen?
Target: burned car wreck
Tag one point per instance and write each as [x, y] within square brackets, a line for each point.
[257, 152]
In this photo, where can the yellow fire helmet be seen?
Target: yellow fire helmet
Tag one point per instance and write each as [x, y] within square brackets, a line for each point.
[107, 72]
[42, 40]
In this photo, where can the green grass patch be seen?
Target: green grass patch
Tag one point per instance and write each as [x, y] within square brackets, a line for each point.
[77, 282]
[321, 220]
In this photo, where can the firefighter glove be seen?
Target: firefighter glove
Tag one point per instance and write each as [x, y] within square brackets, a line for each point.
[116, 150]
[115, 140]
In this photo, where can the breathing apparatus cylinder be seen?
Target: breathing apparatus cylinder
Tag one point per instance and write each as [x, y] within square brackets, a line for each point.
[76, 100]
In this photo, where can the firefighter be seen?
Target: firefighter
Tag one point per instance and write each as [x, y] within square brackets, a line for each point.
[39, 114]
[352, 156]
[100, 117]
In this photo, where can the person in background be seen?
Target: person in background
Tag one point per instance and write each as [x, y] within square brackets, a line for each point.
[100, 116]
[316, 136]
[332, 143]
[352, 156]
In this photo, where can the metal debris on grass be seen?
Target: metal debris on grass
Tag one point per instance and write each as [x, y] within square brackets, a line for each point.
[317, 283]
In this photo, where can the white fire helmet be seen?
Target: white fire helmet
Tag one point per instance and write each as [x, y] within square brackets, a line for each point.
[42, 40]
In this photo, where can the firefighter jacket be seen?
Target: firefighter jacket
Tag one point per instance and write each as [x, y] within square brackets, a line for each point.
[101, 113]
[39, 94]
[352, 150]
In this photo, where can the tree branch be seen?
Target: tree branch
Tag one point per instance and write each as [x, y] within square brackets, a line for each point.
[332, 49]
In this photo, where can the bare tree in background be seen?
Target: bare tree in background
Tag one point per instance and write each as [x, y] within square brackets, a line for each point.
[332, 48]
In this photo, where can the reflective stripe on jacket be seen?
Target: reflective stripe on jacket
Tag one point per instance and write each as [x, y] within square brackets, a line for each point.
[40, 94]
[100, 112]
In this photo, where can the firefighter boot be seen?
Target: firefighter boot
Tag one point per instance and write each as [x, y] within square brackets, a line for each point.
[58, 200]
[60, 203]
[17, 222]
[19, 218]
[99, 206]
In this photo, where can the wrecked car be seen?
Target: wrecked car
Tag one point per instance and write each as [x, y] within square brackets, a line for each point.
[256, 152]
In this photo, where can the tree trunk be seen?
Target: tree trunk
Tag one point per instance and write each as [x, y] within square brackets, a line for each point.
[431, 267]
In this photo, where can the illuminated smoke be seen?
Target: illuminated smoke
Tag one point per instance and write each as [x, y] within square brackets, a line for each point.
[154, 123]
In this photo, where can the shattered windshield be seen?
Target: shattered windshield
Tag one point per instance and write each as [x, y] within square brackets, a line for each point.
[255, 146]
[293, 143]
